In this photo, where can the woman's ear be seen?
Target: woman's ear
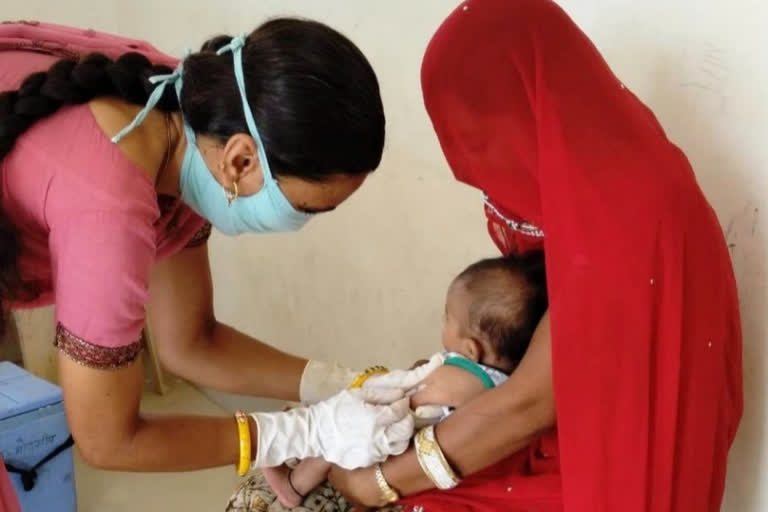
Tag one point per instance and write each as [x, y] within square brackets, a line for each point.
[240, 158]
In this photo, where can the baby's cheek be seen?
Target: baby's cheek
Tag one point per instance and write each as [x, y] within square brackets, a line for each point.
[451, 341]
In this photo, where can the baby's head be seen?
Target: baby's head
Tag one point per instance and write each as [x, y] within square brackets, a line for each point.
[493, 307]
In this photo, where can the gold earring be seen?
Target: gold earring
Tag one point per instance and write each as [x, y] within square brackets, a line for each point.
[231, 194]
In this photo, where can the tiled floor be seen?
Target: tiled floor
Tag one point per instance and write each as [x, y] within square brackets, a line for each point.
[204, 491]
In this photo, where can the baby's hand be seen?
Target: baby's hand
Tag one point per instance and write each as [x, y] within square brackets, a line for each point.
[448, 385]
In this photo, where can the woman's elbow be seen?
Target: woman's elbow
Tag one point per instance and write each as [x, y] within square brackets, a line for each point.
[176, 360]
[102, 455]
[536, 410]
[542, 415]
[107, 449]
[183, 356]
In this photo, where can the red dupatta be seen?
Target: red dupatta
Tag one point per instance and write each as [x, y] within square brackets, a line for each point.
[8, 500]
[646, 339]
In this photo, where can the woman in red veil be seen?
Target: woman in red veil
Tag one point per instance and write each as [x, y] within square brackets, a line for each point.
[638, 363]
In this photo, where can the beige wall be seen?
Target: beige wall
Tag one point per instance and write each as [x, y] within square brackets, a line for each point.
[366, 284]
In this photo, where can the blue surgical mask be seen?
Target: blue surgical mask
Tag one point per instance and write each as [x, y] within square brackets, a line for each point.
[266, 211]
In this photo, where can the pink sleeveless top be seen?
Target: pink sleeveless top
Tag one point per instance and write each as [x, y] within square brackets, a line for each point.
[91, 223]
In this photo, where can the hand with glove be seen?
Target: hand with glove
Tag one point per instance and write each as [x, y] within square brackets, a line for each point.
[409, 382]
[406, 381]
[352, 430]
[322, 380]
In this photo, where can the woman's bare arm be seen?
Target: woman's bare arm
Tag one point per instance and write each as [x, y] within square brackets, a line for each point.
[103, 412]
[192, 344]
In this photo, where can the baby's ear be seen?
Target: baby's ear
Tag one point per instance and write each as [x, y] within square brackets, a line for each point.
[473, 348]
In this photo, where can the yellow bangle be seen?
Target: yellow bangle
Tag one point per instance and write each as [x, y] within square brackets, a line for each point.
[244, 434]
[368, 373]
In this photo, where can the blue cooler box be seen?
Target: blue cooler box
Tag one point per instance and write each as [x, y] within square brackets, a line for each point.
[35, 442]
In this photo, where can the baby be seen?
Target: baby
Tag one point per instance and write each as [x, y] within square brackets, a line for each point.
[492, 309]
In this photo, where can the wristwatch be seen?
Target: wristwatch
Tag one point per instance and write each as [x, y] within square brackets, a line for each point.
[388, 494]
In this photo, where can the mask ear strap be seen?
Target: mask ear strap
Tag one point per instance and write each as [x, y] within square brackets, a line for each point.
[154, 99]
[160, 81]
[236, 47]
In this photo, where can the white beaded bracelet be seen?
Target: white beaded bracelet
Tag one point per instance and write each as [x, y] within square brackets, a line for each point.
[432, 460]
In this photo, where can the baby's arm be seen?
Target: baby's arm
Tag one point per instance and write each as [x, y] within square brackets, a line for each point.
[448, 385]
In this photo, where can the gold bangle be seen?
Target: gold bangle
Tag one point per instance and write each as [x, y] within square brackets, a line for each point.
[244, 434]
[432, 460]
[388, 494]
[367, 374]
[418, 440]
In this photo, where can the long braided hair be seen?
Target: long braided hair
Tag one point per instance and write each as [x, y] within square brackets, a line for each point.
[312, 93]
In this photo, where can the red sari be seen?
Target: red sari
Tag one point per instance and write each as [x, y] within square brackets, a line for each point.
[646, 339]
[8, 500]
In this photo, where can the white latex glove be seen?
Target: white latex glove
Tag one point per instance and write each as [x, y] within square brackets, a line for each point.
[322, 379]
[405, 380]
[345, 430]
[428, 415]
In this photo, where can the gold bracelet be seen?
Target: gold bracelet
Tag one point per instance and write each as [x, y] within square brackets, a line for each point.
[367, 374]
[388, 494]
[244, 434]
[432, 460]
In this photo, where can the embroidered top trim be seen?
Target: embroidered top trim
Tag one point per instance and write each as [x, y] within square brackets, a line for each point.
[201, 237]
[525, 228]
[95, 356]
